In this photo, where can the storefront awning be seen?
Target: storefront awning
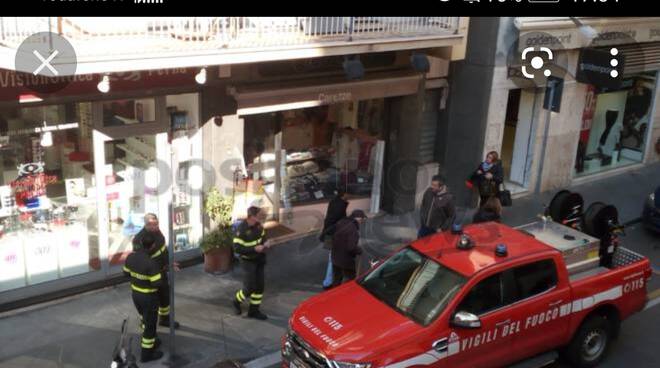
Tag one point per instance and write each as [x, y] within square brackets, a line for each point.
[268, 99]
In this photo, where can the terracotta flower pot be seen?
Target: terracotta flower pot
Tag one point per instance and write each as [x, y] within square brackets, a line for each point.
[218, 260]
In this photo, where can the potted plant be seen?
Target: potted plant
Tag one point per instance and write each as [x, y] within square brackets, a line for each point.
[217, 243]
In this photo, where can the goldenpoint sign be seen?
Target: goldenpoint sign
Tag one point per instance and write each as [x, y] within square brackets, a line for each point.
[571, 38]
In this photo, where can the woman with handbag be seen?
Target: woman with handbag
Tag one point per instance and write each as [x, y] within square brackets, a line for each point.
[488, 177]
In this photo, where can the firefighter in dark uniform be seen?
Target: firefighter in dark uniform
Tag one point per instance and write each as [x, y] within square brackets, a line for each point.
[146, 278]
[250, 243]
[160, 254]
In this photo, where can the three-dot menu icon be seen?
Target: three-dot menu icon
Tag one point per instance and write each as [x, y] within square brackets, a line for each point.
[614, 62]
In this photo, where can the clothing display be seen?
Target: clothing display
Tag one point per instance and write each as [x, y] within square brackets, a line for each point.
[307, 167]
[322, 152]
[616, 126]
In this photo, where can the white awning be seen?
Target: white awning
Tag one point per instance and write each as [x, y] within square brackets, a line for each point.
[263, 99]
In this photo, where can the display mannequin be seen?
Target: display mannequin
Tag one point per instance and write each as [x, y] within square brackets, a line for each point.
[610, 119]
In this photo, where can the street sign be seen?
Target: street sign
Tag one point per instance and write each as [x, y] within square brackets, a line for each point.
[558, 85]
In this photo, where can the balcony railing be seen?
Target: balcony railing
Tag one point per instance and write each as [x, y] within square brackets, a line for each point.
[117, 36]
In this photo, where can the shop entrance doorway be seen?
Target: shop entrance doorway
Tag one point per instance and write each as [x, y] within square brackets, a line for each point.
[517, 143]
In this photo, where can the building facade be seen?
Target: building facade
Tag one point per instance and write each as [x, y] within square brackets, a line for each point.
[598, 128]
[270, 111]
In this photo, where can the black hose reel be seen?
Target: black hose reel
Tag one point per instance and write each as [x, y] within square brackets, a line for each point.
[566, 208]
[600, 220]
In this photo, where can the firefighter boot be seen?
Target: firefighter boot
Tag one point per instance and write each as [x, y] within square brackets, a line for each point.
[149, 355]
[255, 313]
[237, 307]
[165, 322]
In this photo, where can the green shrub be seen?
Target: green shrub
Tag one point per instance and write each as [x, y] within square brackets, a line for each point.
[219, 208]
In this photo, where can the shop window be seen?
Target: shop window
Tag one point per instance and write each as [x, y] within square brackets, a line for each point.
[134, 183]
[128, 112]
[615, 125]
[48, 221]
[327, 148]
[186, 141]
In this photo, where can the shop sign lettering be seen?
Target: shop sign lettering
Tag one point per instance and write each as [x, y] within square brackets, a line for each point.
[654, 33]
[13, 84]
[11, 79]
[335, 97]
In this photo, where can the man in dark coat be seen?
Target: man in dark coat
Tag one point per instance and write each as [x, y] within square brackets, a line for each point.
[345, 247]
[336, 211]
[438, 210]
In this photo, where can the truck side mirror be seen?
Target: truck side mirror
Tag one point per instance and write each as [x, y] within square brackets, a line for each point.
[466, 320]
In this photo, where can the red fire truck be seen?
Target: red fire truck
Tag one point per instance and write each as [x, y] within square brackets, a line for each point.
[484, 296]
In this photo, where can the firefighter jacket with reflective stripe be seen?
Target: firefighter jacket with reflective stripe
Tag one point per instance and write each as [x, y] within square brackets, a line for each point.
[247, 238]
[160, 254]
[144, 272]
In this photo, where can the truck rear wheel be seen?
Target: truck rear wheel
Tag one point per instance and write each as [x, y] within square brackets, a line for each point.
[590, 343]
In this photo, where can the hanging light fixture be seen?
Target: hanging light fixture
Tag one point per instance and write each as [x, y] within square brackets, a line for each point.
[104, 85]
[200, 78]
[353, 67]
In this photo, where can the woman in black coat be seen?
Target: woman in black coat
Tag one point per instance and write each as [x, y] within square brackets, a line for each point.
[336, 211]
[488, 177]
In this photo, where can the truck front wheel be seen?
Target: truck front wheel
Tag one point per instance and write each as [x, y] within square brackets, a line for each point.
[590, 343]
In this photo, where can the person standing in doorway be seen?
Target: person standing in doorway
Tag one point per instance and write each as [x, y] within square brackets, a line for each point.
[161, 256]
[335, 212]
[438, 209]
[345, 248]
[488, 177]
[251, 244]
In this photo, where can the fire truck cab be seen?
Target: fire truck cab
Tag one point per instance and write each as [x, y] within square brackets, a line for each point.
[484, 296]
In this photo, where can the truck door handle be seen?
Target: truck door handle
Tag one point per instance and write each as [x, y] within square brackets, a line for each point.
[440, 346]
[554, 304]
[503, 322]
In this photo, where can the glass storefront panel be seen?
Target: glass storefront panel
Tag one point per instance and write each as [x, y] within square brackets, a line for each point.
[51, 160]
[48, 206]
[615, 125]
[186, 144]
[131, 186]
